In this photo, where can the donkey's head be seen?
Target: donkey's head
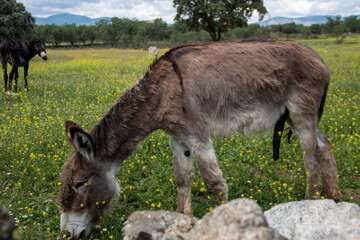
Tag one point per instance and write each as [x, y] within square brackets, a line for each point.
[89, 184]
[38, 46]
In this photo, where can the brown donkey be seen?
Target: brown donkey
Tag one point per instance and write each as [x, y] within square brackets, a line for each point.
[192, 93]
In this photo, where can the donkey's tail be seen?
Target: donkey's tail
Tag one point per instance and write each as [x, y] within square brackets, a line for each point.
[322, 103]
[278, 130]
[279, 126]
[8, 42]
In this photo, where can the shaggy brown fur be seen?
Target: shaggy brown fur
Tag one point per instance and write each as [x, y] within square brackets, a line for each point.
[195, 92]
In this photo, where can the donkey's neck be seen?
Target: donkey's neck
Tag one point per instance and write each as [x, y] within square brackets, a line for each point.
[32, 52]
[127, 123]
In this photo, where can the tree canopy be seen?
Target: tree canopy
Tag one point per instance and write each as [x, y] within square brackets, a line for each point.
[217, 16]
[15, 20]
[133, 33]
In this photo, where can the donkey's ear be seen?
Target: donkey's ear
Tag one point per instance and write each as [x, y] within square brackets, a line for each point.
[80, 140]
[28, 43]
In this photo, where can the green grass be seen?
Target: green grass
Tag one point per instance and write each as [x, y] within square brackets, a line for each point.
[80, 85]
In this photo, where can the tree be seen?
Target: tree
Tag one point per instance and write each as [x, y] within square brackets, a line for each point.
[15, 20]
[331, 23]
[160, 29]
[89, 34]
[79, 33]
[336, 28]
[178, 31]
[43, 32]
[103, 27]
[217, 16]
[69, 33]
[57, 33]
[315, 29]
[338, 32]
[290, 28]
[352, 24]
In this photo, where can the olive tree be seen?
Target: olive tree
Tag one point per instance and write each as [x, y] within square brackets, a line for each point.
[217, 16]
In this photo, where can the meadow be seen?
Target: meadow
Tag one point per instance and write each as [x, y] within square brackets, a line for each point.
[80, 85]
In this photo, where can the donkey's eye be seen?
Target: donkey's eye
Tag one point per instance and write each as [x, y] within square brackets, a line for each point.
[81, 184]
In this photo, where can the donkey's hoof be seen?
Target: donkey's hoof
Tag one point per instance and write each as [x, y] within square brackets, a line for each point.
[334, 195]
[9, 93]
[186, 211]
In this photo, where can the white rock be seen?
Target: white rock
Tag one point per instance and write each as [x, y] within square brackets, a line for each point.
[316, 219]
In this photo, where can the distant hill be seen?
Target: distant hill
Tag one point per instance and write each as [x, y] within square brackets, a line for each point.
[67, 18]
[306, 21]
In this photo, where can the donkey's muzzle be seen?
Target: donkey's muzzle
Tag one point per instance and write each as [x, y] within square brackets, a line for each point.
[43, 55]
[76, 233]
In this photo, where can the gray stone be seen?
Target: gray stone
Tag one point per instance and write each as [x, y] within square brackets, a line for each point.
[155, 225]
[316, 219]
[238, 219]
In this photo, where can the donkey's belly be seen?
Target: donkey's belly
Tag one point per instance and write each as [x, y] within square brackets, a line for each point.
[22, 62]
[246, 123]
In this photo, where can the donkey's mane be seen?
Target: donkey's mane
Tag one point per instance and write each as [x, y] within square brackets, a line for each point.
[169, 54]
[120, 112]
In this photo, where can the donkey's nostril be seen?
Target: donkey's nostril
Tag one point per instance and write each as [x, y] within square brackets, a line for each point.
[68, 234]
[82, 234]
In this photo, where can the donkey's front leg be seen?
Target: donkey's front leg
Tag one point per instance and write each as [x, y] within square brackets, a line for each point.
[210, 172]
[26, 68]
[13, 72]
[6, 79]
[184, 174]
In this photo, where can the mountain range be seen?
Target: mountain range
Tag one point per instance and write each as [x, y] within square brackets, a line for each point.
[66, 18]
[306, 21]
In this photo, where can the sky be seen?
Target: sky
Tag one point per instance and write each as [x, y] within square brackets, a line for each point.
[151, 9]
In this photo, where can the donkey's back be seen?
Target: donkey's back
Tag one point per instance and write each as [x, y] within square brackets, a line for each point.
[247, 86]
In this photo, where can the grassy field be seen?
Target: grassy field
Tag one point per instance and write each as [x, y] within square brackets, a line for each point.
[80, 85]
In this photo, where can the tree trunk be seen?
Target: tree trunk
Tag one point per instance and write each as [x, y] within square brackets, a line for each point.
[212, 35]
[219, 34]
[215, 37]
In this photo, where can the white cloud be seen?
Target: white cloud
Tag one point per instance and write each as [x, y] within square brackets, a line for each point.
[140, 9]
[302, 8]
[150, 9]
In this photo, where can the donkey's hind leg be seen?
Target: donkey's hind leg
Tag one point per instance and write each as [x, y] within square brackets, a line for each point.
[210, 172]
[4, 67]
[12, 74]
[16, 79]
[184, 174]
[330, 185]
[305, 131]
